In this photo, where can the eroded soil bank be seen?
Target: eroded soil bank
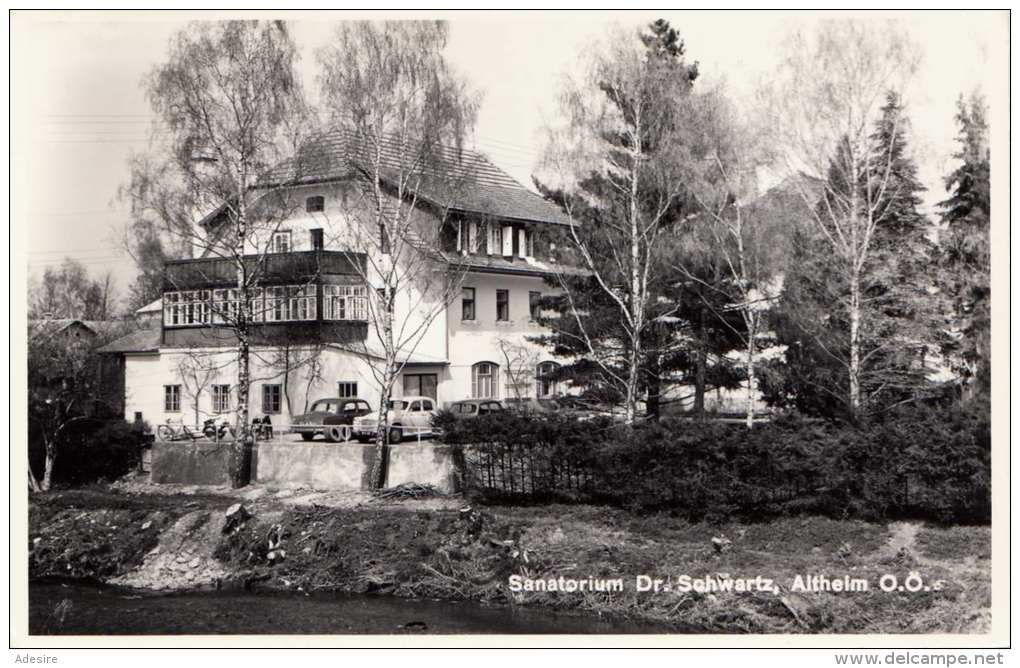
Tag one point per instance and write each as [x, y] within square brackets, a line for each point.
[179, 539]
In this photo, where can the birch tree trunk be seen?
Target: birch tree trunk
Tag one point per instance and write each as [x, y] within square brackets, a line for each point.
[750, 376]
[379, 458]
[636, 287]
[855, 344]
[51, 459]
[240, 472]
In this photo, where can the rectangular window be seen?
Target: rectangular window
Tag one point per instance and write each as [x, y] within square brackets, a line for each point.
[534, 298]
[494, 241]
[507, 238]
[192, 307]
[172, 398]
[347, 389]
[317, 243]
[271, 398]
[345, 302]
[224, 306]
[284, 303]
[472, 237]
[281, 242]
[301, 302]
[315, 204]
[257, 305]
[220, 398]
[275, 305]
[503, 305]
[421, 385]
[522, 243]
[171, 309]
[467, 304]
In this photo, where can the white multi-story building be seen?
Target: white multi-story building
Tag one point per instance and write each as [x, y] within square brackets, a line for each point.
[313, 336]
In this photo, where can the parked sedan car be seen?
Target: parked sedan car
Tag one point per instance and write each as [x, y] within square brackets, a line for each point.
[408, 416]
[332, 418]
[470, 408]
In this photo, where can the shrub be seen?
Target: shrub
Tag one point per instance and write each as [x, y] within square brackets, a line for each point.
[91, 450]
[933, 465]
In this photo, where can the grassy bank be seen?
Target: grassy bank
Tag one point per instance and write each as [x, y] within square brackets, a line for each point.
[442, 549]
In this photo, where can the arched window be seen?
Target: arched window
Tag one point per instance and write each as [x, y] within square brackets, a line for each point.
[485, 381]
[547, 387]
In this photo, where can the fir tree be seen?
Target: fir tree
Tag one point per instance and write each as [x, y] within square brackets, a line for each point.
[964, 250]
[899, 287]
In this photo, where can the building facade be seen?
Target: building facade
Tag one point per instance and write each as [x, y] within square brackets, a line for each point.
[315, 304]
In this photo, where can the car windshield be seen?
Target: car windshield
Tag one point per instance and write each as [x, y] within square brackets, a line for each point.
[396, 405]
[325, 406]
[466, 408]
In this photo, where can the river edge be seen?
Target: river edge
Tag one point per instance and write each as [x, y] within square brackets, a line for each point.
[444, 549]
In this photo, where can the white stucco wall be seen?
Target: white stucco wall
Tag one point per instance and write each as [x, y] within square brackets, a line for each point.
[146, 376]
[489, 340]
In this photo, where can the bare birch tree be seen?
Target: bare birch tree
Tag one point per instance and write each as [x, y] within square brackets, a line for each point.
[825, 99]
[196, 371]
[229, 107]
[622, 159]
[402, 115]
[739, 237]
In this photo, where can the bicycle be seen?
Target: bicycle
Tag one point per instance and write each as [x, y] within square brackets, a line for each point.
[181, 432]
[176, 432]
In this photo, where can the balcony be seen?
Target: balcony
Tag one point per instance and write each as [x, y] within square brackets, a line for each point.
[299, 267]
[191, 321]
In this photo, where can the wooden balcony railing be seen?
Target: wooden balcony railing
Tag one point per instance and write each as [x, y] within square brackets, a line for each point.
[272, 269]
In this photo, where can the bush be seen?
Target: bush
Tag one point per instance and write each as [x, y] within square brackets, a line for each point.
[923, 464]
[91, 450]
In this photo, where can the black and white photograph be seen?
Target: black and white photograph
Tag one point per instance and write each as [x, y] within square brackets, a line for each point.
[510, 328]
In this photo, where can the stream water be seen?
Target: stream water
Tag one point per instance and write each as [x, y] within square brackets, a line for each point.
[90, 609]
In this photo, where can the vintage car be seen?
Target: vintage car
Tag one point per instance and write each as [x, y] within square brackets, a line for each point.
[330, 417]
[470, 408]
[407, 416]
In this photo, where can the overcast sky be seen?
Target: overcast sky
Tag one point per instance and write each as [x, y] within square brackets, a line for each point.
[80, 111]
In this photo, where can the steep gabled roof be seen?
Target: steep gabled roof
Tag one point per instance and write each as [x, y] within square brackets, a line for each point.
[457, 179]
[53, 326]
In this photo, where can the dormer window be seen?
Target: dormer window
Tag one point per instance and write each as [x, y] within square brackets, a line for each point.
[281, 242]
[316, 204]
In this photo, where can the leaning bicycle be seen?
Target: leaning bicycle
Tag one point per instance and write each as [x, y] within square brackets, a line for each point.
[177, 431]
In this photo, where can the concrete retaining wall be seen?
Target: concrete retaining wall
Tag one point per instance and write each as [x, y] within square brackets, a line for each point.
[316, 465]
[191, 463]
[340, 466]
[424, 463]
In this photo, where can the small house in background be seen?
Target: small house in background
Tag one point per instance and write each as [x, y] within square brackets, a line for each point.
[150, 315]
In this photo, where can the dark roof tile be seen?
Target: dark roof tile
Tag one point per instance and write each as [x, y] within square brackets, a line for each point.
[141, 341]
[461, 180]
